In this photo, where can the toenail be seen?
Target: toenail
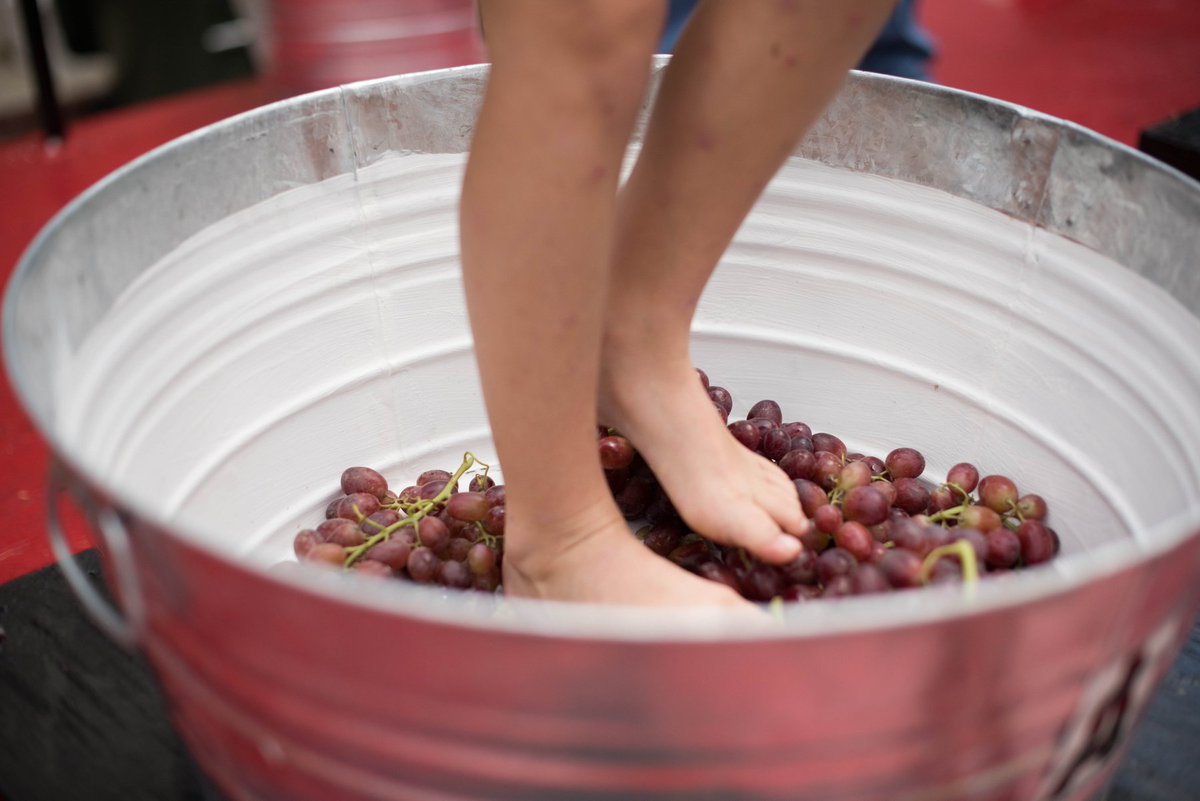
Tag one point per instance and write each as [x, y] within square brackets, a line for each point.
[787, 546]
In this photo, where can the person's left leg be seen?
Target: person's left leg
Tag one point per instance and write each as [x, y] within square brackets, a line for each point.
[746, 81]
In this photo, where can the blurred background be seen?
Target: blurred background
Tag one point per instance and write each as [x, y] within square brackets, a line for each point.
[1116, 67]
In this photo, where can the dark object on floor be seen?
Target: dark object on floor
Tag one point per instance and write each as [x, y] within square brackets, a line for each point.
[1175, 142]
[80, 718]
[49, 111]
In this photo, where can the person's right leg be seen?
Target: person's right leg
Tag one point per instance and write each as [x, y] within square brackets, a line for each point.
[746, 80]
[537, 222]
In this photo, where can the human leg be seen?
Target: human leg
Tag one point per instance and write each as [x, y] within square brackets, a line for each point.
[747, 79]
[537, 219]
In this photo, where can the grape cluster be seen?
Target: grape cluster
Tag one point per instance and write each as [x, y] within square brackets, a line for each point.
[875, 524]
[429, 533]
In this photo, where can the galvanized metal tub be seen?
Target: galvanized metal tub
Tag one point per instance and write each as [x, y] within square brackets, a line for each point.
[197, 418]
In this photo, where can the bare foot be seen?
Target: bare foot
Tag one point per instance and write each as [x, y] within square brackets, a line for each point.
[720, 488]
[594, 558]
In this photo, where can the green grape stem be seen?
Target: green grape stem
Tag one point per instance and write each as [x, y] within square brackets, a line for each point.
[415, 512]
[953, 513]
[966, 557]
[962, 492]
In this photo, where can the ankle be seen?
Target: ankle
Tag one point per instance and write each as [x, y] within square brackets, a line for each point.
[537, 540]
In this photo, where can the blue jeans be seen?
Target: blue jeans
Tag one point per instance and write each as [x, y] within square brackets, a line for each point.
[903, 48]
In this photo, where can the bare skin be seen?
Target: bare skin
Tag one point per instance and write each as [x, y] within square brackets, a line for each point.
[581, 301]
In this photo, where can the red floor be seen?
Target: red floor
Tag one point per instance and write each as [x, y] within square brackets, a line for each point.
[1111, 65]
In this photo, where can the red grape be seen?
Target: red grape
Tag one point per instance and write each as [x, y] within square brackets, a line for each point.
[1003, 549]
[468, 507]
[838, 587]
[481, 483]
[768, 409]
[423, 565]
[636, 495]
[829, 443]
[615, 452]
[488, 582]
[364, 479]
[797, 430]
[661, 510]
[493, 521]
[834, 562]
[326, 553]
[715, 571]
[373, 568]
[703, 378]
[358, 506]
[458, 548]
[854, 538]
[854, 474]
[432, 488]
[1031, 507]
[828, 518]
[901, 568]
[878, 468]
[998, 493]
[1037, 542]
[941, 499]
[721, 396]
[393, 553]
[886, 488]
[976, 539]
[827, 470]
[746, 433]
[432, 533]
[481, 559]
[496, 495]
[905, 463]
[868, 580]
[963, 475]
[690, 555]
[798, 464]
[664, 538]
[775, 444]
[763, 424]
[452, 573]
[801, 443]
[304, 542]
[911, 495]
[378, 521]
[865, 505]
[762, 583]
[980, 517]
[801, 570]
[812, 497]
[434, 475]
[342, 532]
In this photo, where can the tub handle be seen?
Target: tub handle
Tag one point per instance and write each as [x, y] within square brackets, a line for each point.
[124, 627]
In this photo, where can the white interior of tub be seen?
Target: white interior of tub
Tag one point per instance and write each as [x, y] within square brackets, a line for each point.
[233, 382]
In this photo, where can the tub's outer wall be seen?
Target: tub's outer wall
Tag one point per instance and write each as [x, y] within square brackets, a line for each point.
[286, 694]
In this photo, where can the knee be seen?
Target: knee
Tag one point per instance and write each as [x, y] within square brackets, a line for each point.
[611, 43]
